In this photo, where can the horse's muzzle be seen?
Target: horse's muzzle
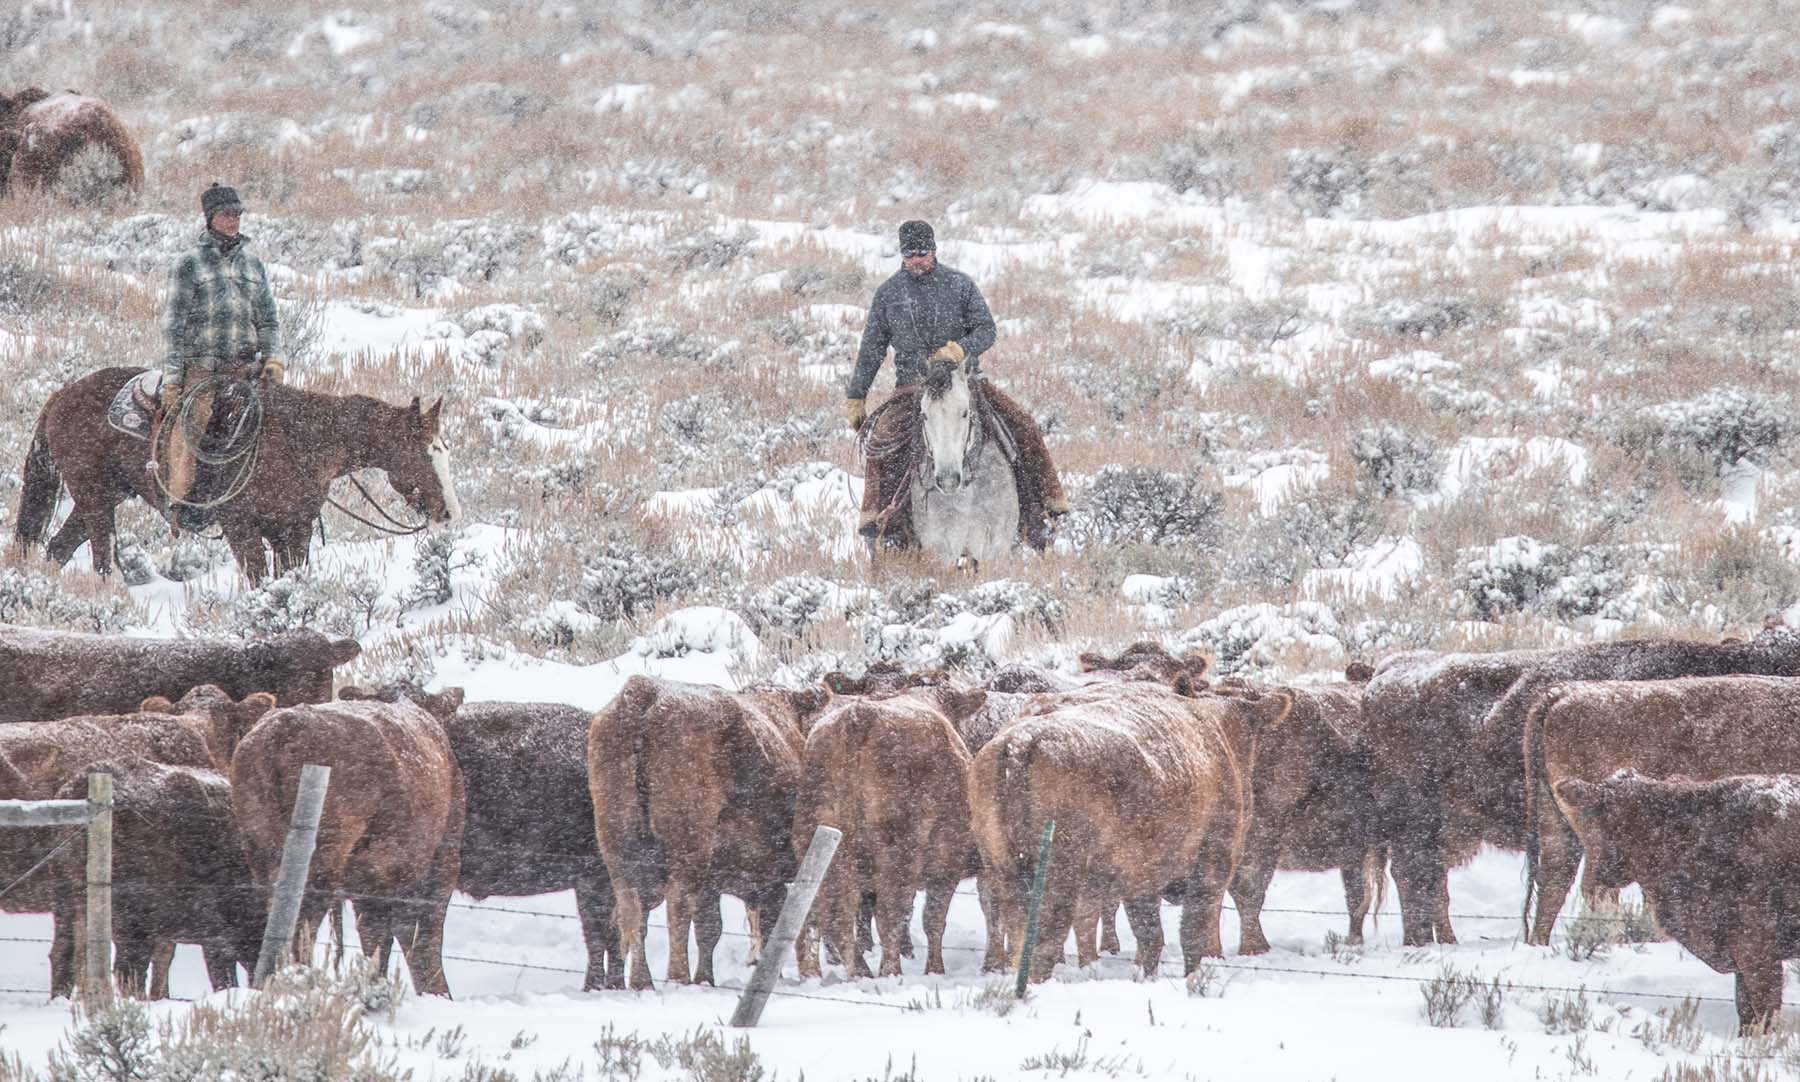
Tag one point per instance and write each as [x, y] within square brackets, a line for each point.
[948, 482]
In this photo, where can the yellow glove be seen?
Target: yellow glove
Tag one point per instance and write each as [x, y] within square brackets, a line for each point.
[854, 409]
[170, 395]
[949, 351]
[273, 369]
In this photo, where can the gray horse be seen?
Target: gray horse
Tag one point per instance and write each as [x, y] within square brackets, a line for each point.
[965, 502]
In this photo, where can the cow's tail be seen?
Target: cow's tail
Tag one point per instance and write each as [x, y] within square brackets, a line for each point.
[37, 496]
[1536, 792]
[1014, 792]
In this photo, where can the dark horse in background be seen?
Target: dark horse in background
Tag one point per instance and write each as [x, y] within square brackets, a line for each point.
[308, 440]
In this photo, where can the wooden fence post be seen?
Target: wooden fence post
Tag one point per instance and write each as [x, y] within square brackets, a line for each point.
[99, 984]
[1037, 901]
[801, 893]
[296, 862]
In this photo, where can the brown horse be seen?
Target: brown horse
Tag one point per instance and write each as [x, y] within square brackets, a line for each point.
[308, 440]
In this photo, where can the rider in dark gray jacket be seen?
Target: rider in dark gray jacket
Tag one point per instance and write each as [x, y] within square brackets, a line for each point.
[916, 311]
[924, 311]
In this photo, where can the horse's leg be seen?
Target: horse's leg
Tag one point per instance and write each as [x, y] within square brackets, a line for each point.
[100, 526]
[68, 537]
[246, 544]
[292, 545]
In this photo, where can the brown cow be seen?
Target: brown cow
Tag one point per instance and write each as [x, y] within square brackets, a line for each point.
[1445, 733]
[883, 677]
[529, 827]
[42, 133]
[60, 674]
[1147, 787]
[1700, 727]
[1313, 809]
[1717, 861]
[200, 732]
[178, 875]
[694, 791]
[390, 834]
[893, 775]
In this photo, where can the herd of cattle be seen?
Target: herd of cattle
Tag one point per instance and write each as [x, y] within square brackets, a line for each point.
[1661, 760]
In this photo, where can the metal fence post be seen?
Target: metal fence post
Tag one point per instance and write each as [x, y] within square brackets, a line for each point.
[296, 862]
[1031, 916]
[787, 927]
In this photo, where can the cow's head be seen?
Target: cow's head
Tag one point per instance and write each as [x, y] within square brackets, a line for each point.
[441, 705]
[1597, 818]
[958, 705]
[227, 721]
[1148, 661]
[296, 667]
[807, 703]
[882, 678]
[1359, 672]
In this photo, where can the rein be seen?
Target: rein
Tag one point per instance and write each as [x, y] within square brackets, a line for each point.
[395, 527]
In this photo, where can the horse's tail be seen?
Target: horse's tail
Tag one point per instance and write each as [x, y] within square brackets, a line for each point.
[37, 497]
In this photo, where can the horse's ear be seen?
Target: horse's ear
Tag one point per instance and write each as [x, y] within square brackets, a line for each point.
[415, 404]
[431, 418]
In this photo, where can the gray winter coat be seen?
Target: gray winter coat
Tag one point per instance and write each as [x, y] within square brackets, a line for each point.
[916, 316]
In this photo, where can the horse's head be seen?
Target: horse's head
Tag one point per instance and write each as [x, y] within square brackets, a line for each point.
[950, 422]
[420, 470]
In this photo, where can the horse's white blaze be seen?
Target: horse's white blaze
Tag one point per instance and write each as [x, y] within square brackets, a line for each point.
[440, 461]
[949, 426]
[980, 519]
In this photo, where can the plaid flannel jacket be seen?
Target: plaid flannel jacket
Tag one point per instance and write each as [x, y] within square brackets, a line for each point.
[220, 310]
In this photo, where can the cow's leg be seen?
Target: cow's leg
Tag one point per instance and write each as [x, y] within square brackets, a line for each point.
[131, 964]
[865, 924]
[1440, 920]
[1558, 855]
[1056, 919]
[680, 914]
[1088, 908]
[709, 927]
[1419, 875]
[845, 930]
[938, 895]
[162, 956]
[1250, 887]
[594, 903]
[1144, 915]
[63, 937]
[994, 917]
[221, 963]
[1758, 988]
[1109, 928]
[893, 914]
[376, 926]
[1356, 900]
[1203, 900]
[633, 923]
[1593, 893]
[424, 919]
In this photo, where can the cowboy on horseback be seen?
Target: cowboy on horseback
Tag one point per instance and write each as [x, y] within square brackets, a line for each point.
[927, 312]
[221, 325]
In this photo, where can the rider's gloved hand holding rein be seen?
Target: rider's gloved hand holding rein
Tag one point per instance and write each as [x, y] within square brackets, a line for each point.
[274, 370]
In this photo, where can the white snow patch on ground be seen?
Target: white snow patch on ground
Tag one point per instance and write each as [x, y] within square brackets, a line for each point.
[1380, 569]
[1476, 458]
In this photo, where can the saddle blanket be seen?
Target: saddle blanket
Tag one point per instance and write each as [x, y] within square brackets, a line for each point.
[135, 404]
